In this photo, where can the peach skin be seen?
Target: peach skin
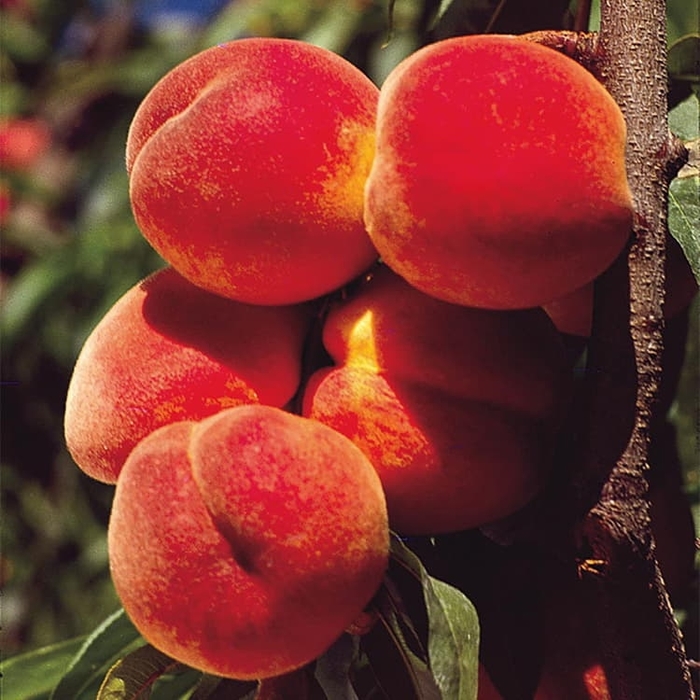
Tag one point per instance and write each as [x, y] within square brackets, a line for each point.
[499, 176]
[244, 545]
[573, 313]
[456, 407]
[170, 351]
[247, 164]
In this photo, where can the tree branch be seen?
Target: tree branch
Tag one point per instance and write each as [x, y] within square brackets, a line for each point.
[644, 654]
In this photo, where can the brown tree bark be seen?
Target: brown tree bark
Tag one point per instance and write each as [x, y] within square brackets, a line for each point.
[644, 656]
[643, 649]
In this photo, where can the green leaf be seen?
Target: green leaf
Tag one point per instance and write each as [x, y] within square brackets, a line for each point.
[398, 671]
[106, 643]
[206, 687]
[444, 6]
[336, 27]
[453, 629]
[21, 39]
[684, 59]
[684, 197]
[426, 645]
[683, 216]
[396, 647]
[389, 22]
[177, 685]
[684, 119]
[133, 677]
[332, 670]
[681, 18]
[454, 641]
[31, 288]
[32, 676]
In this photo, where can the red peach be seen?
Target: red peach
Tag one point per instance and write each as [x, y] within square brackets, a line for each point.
[387, 325]
[446, 463]
[245, 544]
[455, 407]
[170, 351]
[573, 313]
[572, 667]
[499, 175]
[247, 165]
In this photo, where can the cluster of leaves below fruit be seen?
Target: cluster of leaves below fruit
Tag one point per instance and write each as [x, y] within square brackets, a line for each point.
[277, 400]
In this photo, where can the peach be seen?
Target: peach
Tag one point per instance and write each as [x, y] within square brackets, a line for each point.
[247, 165]
[573, 313]
[499, 174]
[243, 545]
[170, 351]
[455, 407]
[572, 663]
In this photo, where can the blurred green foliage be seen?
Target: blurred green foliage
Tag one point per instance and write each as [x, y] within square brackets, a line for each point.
[70, 247]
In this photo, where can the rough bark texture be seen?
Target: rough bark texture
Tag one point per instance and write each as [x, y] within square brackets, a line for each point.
[644, 653]
[606, 502]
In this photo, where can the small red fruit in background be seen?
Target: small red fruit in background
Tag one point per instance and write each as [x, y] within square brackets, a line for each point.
[22, 142]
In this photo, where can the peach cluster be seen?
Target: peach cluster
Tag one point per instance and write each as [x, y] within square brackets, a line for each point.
[277, 398]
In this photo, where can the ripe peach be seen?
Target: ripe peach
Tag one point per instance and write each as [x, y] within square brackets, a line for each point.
[170, 351]
[244, 545]
[572, 659]
[499, 175]
[247, 165]
[455, 407]
[573, 313]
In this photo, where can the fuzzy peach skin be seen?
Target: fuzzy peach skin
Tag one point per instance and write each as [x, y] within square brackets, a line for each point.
[573, 313]
[169, 351]
[387, 325]
[244, 545]
[446, 463]
[499, 176]
[455, 407]
[247, 164]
